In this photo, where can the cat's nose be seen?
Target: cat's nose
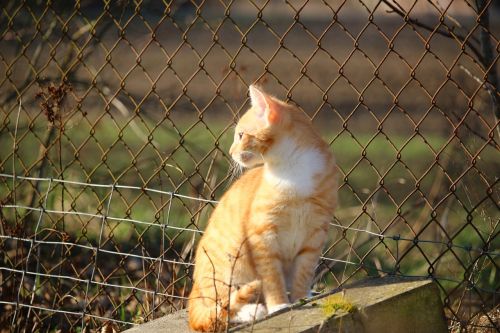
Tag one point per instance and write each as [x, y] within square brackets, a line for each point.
[231, 150]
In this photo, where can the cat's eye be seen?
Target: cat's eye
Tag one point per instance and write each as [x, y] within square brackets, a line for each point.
[240, 135]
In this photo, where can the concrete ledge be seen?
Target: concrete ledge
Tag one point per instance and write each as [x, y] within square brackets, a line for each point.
[376, 305]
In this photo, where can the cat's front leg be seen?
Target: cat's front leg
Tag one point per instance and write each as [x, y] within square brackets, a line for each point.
[268, 265]
[303, 267]
[273, 285]
[302, 274]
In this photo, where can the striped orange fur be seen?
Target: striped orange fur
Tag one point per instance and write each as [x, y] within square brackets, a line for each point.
[264, 238]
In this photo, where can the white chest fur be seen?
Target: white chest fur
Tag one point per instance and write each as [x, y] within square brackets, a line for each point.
[293, 169]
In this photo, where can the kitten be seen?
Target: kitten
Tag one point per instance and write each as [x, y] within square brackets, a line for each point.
[264, 238]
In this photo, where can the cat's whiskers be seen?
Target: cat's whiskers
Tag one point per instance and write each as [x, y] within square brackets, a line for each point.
[235, 170]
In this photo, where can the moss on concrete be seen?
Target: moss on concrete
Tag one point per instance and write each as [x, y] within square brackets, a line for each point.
[336, 304]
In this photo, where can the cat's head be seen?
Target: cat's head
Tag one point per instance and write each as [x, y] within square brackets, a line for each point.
[266, 121]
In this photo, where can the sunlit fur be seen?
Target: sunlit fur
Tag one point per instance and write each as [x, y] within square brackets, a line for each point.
[265, 236]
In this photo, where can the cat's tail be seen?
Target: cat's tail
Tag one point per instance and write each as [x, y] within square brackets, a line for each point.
[206, 316]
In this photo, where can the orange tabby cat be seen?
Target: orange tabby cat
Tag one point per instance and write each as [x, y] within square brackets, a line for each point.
[264, 238]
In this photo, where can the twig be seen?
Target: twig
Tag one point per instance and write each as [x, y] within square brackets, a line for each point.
[215, 287]
[445, 13]
[14, 160]
[492, 92]
[449, 33]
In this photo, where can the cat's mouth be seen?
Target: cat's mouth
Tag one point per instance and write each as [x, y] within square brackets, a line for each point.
[244, 158]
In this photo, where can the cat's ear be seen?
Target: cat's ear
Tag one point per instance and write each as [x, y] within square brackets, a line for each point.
[263, 106]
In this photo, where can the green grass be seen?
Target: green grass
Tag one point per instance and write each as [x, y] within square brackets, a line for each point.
[180, 160]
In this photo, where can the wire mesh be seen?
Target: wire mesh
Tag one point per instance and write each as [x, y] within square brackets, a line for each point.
[117, 118]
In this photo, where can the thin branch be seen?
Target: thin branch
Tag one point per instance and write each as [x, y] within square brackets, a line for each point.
[448, 34]
[494, 101]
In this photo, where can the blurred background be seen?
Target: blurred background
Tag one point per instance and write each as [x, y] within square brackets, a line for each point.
[117, 118]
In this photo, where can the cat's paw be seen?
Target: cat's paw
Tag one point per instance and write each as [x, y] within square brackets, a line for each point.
[277, 307]
[249, 312]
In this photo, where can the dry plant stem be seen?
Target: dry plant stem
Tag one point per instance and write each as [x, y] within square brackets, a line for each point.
[433, 192]
[69, 73]
[476, 269]
[328, 266]
[443, 11]
[354, 240]
[62, 218]
[215, 287]
[488, 63]
[14, 162]
[115, 101]
[162, 245]
[187, 252]
[122, 108]
[479, 264]
[233, 266]
[209, 175]
[494, 101]
[43, 153]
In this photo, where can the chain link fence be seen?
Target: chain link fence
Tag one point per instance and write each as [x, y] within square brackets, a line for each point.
[117, 118]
